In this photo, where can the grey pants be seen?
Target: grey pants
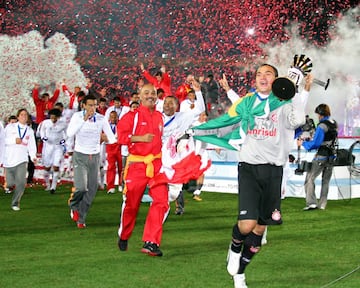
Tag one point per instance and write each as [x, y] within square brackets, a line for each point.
[86, 169]
[318, 166]
[16, 176]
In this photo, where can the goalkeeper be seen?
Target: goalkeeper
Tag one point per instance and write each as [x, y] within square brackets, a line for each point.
[263, 126]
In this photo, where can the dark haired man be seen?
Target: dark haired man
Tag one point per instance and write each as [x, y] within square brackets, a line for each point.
[324, 140]
[53, 134]
[44, 103]
[266, 127]
[87, 126]
[161, 79]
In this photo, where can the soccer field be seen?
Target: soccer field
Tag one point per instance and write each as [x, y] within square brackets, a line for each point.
[41, 247]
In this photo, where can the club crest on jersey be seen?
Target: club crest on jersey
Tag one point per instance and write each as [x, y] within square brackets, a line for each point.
[276, 215]
[274, 117]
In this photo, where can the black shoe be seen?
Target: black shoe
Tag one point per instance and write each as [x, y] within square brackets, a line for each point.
[123, 245]
[52, 191]
[179, 211]
[151, 249]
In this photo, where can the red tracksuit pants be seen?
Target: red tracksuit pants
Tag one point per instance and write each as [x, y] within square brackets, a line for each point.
[136, 182]
[114, 159]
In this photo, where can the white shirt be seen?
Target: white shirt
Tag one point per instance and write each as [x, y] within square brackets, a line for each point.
[198, 103]
[16, 154]
[2, 142]
[121, 111]
[53, 132]
[177, 123]
[87, 133]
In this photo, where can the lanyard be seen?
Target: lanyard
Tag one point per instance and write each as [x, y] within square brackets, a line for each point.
[23, 135]
[113, 127]
[169, 121]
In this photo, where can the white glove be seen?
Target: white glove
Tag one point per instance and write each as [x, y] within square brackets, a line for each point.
[295, 75]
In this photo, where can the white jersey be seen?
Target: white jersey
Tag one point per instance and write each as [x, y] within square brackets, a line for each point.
[2, 142]
[275, 133]
[87, 133]
[121, 111]
[199, 105]
[15, 154]
[177, 124]
[53, 133]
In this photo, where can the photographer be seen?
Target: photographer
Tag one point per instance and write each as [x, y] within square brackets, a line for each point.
[324, 141]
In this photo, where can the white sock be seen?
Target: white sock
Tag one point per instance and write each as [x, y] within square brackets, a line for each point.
[47, 178]
[54, 180]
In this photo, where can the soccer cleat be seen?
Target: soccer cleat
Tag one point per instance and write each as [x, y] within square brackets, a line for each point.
[81, 225]
[52, 191]
[151, 249]
[179, 211]
[197, 198]
[233, 262]
[15, 208]
[239, 281]
[7, 191]
[74, 214]
[310, 207]
[120, 188]
[123, 245]
[48, 188]
[111, 191]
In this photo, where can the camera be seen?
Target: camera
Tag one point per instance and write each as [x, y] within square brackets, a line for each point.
[304, 166]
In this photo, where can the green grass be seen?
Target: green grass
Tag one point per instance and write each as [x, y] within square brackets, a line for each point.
[41, 247]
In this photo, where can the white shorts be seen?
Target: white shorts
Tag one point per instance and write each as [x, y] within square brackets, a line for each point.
[52, 154]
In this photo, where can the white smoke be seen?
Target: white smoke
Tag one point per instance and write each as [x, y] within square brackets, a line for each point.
[339, 61]
[29, 59]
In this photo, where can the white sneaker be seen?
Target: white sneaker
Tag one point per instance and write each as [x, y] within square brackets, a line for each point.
[120, 189]
[233, 262]
[263, 241]
[146, 198]
[15, 208]
[111, 191]
[239, 281]
[310, 207]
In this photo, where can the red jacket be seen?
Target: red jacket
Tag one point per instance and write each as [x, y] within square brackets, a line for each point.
[182, 92]
[43, 107]
[145, 122]
[73, 101]
[164, 84]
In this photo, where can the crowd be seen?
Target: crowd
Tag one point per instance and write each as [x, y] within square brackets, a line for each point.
[184, 35]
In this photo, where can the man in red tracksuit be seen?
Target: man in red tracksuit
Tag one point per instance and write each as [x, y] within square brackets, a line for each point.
[44, 103]
[161, 79]
[113, 157]
[141, 130]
